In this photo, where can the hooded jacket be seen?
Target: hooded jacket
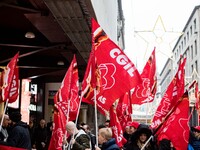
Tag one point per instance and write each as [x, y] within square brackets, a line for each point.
[19, 136]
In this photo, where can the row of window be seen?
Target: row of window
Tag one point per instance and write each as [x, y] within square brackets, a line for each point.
[183, 43]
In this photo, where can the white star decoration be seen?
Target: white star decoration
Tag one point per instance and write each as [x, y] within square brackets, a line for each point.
[160, 38]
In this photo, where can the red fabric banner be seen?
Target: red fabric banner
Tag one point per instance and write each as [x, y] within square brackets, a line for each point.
[68, 92]
[177, 122]
[115, 73]
[59, 130]
[124, 110]
[145, 92]
[174, 91]
[116, 128]
[66, 96]
[10, 81]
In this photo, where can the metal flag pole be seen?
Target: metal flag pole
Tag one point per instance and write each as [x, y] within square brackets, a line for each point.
[95, 109]
[3, 114]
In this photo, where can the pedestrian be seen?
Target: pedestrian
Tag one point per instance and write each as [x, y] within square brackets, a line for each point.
[165, 144]
[141, 135]
[106, 140]
[78, 139]
[40, 136]
[19, 136]
[3, 128]
[129, 132]
[87, 129]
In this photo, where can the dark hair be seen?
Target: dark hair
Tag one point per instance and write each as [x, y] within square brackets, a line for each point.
[15, 116]
[164, 144]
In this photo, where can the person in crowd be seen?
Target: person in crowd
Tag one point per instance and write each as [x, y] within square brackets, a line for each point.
[165, 144]
[87, 129]
[195, 137]
[31, 129]
[141, 135]
[105, 140]
[107, 123]
[40, 136]
[49, 132]
[19, 136]
[3, 129]
[78, 139]
[133, 127]
[129, 132]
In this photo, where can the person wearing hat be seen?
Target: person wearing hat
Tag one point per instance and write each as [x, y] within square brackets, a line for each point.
[129, 132]
[19, 135]
[141, 135]
[194, 140]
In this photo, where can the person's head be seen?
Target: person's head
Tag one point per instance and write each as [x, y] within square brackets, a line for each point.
[133, 127]
[71, 127]
[142, 134]
[86, 128]
[164, 144]
[15, 117]
[104, 135]
[6, 120]
[31, 124]
[143, 137]
[42, 123]
[107, 123]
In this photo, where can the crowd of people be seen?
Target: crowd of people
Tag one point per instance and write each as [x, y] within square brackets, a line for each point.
[19, 134]
[16, 133]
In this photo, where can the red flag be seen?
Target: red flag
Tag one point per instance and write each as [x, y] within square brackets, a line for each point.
[145, 92]
[115, 70]
[4, 147]
[59, 130]
[177, 122]
[68, 92]
[116, 128]
[174, 91]
[197, 95]
[10, 81]
[124, 110]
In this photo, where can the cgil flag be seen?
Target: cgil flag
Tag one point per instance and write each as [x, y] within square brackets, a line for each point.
[68, 94]
[116, 128]
[110, 69]
[145, 92]
[66, 103]
[174, 91]
[178, 122]
[124, 110]
[10, 84]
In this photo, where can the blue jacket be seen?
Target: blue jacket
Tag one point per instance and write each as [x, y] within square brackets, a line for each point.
[110, 145]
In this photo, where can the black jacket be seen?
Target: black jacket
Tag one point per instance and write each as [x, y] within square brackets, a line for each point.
[19, 136]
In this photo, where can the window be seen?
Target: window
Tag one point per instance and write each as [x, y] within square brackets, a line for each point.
[195, 25]
[184, 41]
[192, 55]
[196, 66]
[195, 47]
[187, 36]
[190, 30]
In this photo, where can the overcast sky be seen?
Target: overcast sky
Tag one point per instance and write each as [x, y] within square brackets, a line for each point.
[142, 15]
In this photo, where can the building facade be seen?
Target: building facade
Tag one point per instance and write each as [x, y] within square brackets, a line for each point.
[188, 45]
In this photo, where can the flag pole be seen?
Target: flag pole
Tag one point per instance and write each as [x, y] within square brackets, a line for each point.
[3, 114]
[71, 145]
[64, 147]
[95, 109]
